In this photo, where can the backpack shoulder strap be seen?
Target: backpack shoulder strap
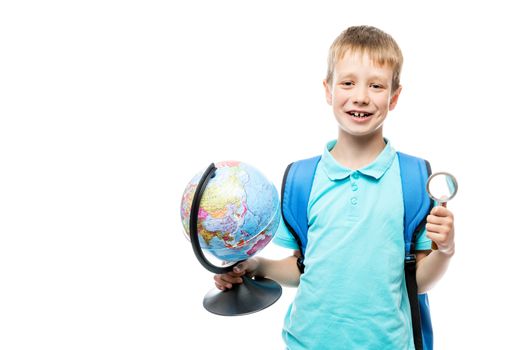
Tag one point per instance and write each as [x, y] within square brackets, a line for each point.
[296, 187]
[414, 173]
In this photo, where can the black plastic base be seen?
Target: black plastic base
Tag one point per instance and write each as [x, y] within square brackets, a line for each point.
[245, 298]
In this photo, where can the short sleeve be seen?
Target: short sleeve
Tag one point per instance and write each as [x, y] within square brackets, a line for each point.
[283, 237]
[423, 242]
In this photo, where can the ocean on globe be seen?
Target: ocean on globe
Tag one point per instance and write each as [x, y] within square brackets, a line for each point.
[238, 213]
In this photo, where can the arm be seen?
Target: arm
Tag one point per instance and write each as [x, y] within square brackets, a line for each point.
[284, 271]
[431, 265]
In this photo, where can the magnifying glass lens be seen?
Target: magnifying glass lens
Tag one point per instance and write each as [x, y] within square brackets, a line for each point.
[442, 187]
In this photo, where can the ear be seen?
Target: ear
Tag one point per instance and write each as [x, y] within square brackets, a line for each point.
[394, 99]
[329, 96]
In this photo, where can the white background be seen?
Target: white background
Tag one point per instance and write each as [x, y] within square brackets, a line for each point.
[108, 108]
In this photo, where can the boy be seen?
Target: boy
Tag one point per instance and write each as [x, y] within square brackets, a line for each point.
[352, 294]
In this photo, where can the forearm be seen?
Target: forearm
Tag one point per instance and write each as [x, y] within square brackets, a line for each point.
[431, 269]
[284, 271]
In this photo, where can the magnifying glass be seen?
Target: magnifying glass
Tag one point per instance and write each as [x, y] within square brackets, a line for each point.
[441, 187]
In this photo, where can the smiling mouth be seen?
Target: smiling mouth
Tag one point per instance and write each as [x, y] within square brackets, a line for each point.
[359, 114]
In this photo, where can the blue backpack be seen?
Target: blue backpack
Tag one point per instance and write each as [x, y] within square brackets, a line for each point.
[414, 172]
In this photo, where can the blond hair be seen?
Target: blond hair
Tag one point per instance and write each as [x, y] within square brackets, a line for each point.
[380, 47]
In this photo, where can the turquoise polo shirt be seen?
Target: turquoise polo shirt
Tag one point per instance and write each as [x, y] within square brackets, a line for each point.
[352, 294]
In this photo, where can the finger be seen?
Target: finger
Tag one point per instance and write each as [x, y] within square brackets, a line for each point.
[444, 234]
[223, 285]
[439, 220]
[241, 268]
[441, 211]
[236, 273]
[446, 222]
[219, 282]
[231, 278]
[227, 280]
[438, 238]
[219, 286]
[436, 228]
[444, 243]
[433, 219]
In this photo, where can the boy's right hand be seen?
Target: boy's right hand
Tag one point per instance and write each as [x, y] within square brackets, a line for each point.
[226, 281]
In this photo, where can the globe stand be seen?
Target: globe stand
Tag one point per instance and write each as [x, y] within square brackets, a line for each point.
[252, 295]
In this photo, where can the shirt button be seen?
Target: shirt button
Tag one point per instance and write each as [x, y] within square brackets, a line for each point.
[355, 175]
[354, 187]
[354, 201]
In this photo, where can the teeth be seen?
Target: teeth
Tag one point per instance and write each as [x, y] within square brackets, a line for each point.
[359, 115]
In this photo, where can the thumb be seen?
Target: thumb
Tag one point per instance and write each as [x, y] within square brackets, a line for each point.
[246, 266]
[241, 267]
[442, 201]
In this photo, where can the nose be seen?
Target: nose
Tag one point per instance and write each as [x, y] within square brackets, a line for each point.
[360, 95]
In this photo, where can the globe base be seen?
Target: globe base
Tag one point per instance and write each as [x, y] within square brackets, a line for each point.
[245, 298]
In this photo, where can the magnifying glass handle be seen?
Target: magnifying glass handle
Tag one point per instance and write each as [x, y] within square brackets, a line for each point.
[434, 245]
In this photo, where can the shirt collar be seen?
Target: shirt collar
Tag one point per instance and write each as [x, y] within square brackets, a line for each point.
[335, 171]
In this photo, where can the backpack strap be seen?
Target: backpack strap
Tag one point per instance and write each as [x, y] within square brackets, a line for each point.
[296, 187]
[414, 173]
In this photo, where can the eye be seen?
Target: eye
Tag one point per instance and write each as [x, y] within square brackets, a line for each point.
[348, 83]
[376, 86]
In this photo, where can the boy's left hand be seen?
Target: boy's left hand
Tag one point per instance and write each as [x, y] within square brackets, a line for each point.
[441, 230]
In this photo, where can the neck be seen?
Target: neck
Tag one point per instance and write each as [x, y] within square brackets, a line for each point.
[357, 152]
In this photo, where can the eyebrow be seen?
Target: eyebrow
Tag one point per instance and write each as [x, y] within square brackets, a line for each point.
[382, 78]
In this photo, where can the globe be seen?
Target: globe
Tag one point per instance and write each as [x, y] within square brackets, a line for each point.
[230, 211]
[238, 214]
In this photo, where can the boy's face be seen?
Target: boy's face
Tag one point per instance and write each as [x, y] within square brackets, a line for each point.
[360, 94]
